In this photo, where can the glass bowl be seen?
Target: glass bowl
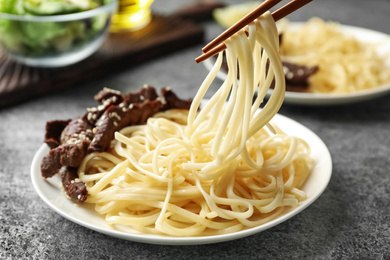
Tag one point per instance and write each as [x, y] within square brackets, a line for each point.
[55, 40]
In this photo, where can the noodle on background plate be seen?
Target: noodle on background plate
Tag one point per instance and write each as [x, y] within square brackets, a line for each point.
[217, 170]
[346, 64]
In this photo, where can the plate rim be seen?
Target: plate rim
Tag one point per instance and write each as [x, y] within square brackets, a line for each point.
[326, 163]
[327, 99]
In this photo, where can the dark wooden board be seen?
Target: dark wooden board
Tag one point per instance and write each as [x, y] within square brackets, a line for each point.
[120, 51]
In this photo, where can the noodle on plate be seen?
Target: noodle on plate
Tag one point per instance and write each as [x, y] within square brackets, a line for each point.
[346, 64]
[217, 169]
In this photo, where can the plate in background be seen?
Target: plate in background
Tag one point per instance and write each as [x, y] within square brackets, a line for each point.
[298, 98]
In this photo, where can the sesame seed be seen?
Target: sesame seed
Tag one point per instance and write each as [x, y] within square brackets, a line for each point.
[300, 72]
[92, 109]
[162, 100]
[114, 114]
[141, 97]
[131, 106]
[112, 91]
[115, 123]
[106, 102]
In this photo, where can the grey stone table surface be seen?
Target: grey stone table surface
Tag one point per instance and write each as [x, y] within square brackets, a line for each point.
[351, 220]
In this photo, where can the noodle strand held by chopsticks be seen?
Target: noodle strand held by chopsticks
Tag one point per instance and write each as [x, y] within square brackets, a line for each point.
[208, 171]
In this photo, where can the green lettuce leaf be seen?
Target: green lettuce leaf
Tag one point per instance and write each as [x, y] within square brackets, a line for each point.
[11, 6]
[37, 38]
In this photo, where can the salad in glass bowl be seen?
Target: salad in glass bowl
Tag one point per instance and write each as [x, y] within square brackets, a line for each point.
[53, 33]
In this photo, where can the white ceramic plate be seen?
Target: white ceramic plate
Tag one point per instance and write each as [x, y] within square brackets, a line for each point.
[364, 35]
[50, 191]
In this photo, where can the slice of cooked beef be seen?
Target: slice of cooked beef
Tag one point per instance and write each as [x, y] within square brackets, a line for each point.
[297, 76]
[73, 154]
[106, 98]
[107, 94]
[72, 140]
[63, 155]
[171, 101]
[133, 110]
[77, 129]
[118, 117]
[53, 132]
[50, 164]
[72, 147]
[74, 188]
[145, 93]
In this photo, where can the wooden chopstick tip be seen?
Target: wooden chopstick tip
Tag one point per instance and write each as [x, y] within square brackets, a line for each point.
[251, 16]
[217, 44]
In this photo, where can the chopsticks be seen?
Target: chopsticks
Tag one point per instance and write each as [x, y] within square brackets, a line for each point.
[217, 45]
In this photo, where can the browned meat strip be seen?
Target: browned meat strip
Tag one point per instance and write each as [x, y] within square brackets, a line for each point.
[117, 117]
[71, 140]
[53, 132]
[68, 147]
[63, 155]
[50, 164]
[171, 101]
[135, 109]
[146, 93]
[75, 189]
[77, 129]
[297, 76]
[107, 94]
